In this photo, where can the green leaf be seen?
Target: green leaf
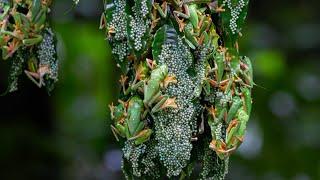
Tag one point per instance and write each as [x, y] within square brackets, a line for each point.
[116, 15]
[219, 59]
[235, 60]
[194, 19]
[165, 34]
[233, 19]
[109, 7]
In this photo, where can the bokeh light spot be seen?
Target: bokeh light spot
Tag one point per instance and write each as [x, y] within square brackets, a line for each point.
[269, 64]
[308, 86]
[282, 104]
[113, 160]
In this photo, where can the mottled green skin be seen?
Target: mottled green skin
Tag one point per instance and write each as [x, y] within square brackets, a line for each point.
[118, 112]
[133, 120]
[248, 73]
[132, 127]
[152, 88]
[236, 104]
[246, 92]
[235, 134]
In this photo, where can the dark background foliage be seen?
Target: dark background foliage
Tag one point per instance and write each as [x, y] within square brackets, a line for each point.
[67, 136]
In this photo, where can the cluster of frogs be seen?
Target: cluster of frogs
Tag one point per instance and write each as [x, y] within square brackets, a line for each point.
[27, 42]
[185, 90]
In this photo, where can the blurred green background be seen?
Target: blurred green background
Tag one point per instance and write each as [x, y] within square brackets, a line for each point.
[67, 135]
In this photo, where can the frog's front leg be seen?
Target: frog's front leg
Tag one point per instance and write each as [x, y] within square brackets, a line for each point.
[203, 30]
[219, 9]
[163, 9]
[178, 14]
[151, 63]
[118, 129]
[214, 6]
[152, 87]
[123, 80]
[180, 22]
[132, 87]
[135, 85]
[245, 82]
[226, 85]
[32, 41]
[220, 147]
[185, 15]
[148, 101]
[142, 136]
[165, 102]
[167, 80]
[207, 35]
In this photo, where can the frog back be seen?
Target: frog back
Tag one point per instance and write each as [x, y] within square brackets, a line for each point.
[135, 110]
